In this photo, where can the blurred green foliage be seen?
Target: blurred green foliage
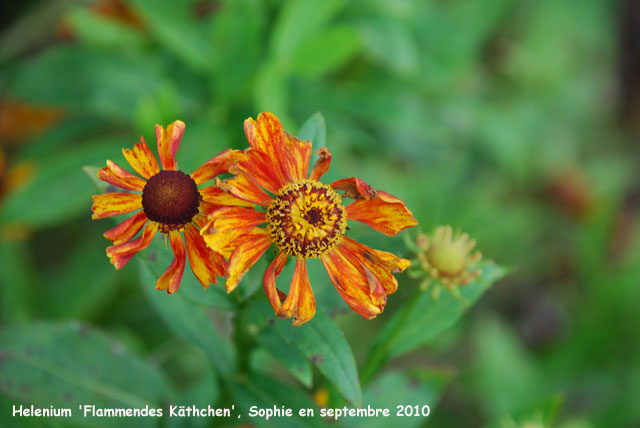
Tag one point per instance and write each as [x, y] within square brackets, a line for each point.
[494, 116]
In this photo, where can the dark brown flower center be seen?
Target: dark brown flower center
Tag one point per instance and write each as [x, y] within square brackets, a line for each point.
[170, 198]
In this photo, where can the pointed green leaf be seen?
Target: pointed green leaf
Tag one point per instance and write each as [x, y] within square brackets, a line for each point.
[68, 364]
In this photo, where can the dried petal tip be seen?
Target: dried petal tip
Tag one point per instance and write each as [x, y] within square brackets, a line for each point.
[447, 256]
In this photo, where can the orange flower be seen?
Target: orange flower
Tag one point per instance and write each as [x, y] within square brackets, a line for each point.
[305, 219]
[169, 201]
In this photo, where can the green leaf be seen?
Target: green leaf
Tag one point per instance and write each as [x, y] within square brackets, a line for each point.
[272, 90]
[267, 392]
[94, 30]
[290, 357]
[393, 389]
[325, 51]
[424, 318]
[189, 321]
[68, 364]
[323, 343]
[87, 81]
[174, 25]
[298, 20]
[59, 188]
[314, 130]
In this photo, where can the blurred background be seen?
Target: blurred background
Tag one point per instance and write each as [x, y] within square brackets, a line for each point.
[515, 121]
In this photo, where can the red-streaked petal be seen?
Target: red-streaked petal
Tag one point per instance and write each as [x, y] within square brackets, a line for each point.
[265, 134]
[385, 213]
[252, 246]
[168, 143]
[171, 278]
[263, 170]
[296, 155]
[234, 218]
[214, 198]
[119, 177]
[269, 281]
[127, 229]
[205, 264]
[120, 254]
[223, 242]
[217, 165]
[381, 263]
[322, 165]
[300, 302]
[241, 186]
[354, 188]
[141, 159]
[357, 285]
[113, 204]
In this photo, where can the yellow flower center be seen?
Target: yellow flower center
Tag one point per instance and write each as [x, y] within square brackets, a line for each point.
[170, 198]
[449, 258]
[306, 219]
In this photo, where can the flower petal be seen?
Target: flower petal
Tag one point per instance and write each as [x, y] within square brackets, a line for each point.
[205, 264]
[322, 165]
[265, 134]
[241, 186]
[141, 159]
[120, 254]
[171, 278]
[252, 245]
[113, 204]
[269, 281]
[119, 177]
[300, 303]
[357, 285]
[216, 165]
[385, 213]
[296, 155]
[380, 263]
[127, 229]
[354, 188]
[263, 170]
[214, 198]
[234, 218]
[223, 242]
[168, 142]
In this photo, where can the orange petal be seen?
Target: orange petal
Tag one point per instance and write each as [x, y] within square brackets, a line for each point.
[269, 281]
[263, 170]
[252, 246]
[265, 134]
[380, 263]
[300, 303]
[127, 229]
[119, 177]
[216, 165]
[354, 188]
[170, 279]
[385, 213]
[322, 165]
[141, 159]
[234, 218]
[168, 142]
[214, 198]
[296, 155]
[357, 285]
[205, 264]
[241, 186]
[113, 204]
[120, 254]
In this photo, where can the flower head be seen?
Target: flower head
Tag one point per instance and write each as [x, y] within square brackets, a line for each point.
[448, 257]
[166, 200]
[303, 219]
